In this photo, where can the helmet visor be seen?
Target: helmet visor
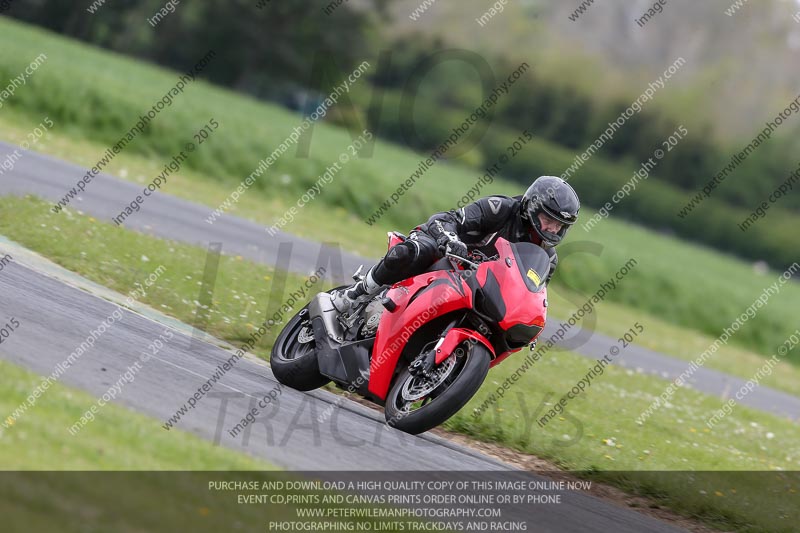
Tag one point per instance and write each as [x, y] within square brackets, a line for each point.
[561, 216]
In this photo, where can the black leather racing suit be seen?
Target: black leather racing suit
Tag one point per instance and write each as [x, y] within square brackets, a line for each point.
[477, 225]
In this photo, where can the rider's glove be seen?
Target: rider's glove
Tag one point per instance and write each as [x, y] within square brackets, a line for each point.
[449, 242]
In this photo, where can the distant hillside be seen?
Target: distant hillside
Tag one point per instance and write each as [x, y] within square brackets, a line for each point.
[745, 62]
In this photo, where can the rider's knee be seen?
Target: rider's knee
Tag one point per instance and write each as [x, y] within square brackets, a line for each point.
[400, 257]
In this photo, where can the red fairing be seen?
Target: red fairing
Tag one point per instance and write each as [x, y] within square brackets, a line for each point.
[442, 292]
[394, 238]
[448, 293]
[522, 305]
[455, 337]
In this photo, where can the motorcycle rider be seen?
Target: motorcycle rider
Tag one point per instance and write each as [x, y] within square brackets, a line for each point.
[542, 216]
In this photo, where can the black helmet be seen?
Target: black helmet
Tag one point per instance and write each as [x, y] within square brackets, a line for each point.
[555, 198]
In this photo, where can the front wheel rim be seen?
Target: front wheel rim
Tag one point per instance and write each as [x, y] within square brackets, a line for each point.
[416, 387]
[418, 392]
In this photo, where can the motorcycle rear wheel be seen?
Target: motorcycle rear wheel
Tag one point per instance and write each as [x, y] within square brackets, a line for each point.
[405, 411]
[294, 363]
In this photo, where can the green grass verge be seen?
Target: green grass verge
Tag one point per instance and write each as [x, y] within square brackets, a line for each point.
[119, 439]
[598, 432]
[96, 95]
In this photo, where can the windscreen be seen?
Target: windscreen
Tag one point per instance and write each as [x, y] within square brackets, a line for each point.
[533, 263]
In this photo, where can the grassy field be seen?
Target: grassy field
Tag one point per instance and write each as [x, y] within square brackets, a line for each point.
[585, 438]
[118, 439]
[97, 96]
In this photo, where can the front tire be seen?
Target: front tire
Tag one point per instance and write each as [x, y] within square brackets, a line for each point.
[293, 359]
[466, 377]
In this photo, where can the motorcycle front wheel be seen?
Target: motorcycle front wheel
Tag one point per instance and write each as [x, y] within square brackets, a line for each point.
[416, 404]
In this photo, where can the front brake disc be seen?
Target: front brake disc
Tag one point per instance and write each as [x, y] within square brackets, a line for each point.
[418, 387]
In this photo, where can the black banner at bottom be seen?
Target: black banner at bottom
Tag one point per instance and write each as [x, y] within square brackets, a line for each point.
[386, 501]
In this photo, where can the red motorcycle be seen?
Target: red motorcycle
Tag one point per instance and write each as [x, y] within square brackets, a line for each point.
[423, 347]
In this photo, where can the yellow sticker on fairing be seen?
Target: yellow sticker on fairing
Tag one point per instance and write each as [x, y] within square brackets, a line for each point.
[534, 277]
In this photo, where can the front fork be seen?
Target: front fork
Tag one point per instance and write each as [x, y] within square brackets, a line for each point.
[422, 365]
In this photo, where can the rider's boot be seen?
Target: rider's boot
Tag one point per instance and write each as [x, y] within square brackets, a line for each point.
[345, 299]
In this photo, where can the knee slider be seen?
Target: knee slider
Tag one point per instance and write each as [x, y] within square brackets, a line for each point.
[400, 256]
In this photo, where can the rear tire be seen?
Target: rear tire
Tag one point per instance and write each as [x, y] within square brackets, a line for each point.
[294, 363]
[449, 398]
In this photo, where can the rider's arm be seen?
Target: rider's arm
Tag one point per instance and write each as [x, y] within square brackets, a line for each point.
[477, 219]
